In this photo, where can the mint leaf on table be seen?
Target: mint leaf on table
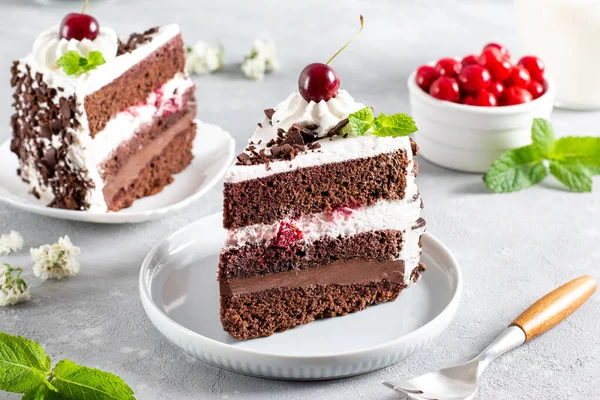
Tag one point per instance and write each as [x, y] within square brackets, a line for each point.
[573, 161]
[516, 169]
[542, 136]
[573, 175]
[74, 63]
[395, 125]
[361, 121]
[24, 364]
[583, 149]
[80, 383]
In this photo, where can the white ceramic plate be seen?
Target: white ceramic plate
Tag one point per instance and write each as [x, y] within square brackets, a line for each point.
[180, 294]
[213, 153]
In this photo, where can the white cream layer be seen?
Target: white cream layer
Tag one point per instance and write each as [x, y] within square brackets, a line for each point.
[398, 215]
[337, 150]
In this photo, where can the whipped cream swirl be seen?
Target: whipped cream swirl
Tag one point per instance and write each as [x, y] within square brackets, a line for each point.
[49, 46]
[296, 110]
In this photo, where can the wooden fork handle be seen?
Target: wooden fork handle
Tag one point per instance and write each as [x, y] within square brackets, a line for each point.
[555, 306]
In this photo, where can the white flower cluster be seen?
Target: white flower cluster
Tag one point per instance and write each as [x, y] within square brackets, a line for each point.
[10, 242]
[55, 261]
[202, 58]
[13, 289]
[262, 59]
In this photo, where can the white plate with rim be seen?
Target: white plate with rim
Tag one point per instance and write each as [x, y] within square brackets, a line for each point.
[180, 295]
[213, 153]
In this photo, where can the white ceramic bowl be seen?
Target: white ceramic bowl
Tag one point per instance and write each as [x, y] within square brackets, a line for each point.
[471, 138]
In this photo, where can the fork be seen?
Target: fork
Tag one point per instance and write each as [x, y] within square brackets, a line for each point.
[461, 382]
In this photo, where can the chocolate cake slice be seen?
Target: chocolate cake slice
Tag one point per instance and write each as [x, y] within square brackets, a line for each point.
[322, 221]
[99, 138]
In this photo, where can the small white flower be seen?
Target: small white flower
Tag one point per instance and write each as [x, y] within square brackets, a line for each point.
[262, 59]
[10, 242]
[13, 289]
[202, 58]
[55, 261]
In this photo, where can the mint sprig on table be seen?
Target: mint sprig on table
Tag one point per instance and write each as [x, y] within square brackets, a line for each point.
[363, 121]
[573, 160]
[74, 63]
[25, 368]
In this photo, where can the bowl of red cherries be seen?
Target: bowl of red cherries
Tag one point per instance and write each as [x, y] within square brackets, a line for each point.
[470, 110]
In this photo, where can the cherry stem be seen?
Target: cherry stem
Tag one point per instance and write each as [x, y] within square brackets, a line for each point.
[362, 25]
[85, 2]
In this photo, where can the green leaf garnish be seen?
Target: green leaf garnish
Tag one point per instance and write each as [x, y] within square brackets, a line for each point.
[363, 121]
[24, 364]
[25, 368]
[516, 170]
[394, 125]
[74, 64]
[78, 382]
[360, 122]
[573, 161]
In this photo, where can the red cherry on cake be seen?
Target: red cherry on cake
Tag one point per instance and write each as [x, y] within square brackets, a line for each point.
[445, 88]
[519, 76]
[515, 95]
[448, 67]
[79, 26]
[474, 78]
[535, 88]
[469, 60]
[318, 82]
[492, 59]
[425, 76]
[496, 88]
[503, 50]
[482, 98]
[535, 66]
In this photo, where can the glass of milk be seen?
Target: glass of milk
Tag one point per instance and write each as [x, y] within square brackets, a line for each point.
[565, 34]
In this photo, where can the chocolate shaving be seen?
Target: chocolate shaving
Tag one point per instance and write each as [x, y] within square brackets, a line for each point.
[269, 113]
[336, 129]
[135, 40]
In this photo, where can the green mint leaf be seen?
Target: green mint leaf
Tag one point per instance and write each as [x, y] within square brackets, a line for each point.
[515, 170]
[69, 62]
[573, 175]
[94, 60]
[74, 64]
[24, 364]
[81, 383]
[42, 393]
[542, 136]
[360, 122]
[585, 150]
[394, 125]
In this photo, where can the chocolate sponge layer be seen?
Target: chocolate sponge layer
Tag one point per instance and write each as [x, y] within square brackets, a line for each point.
[315, 189]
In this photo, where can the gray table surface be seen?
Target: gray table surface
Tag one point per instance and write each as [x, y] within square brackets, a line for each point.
[512, 248]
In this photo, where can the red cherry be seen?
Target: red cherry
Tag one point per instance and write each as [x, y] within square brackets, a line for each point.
[287, 235]
[503, 50]
[318, 82]
[535, 66]
[448, 67]
[518, 77]
[445, 88]
[482, 98]
[426, 74]
[79, 26]
[515, 95]
[536, 89]
[469, 60]
[474, 78]
[496, 88]
[492, 59]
